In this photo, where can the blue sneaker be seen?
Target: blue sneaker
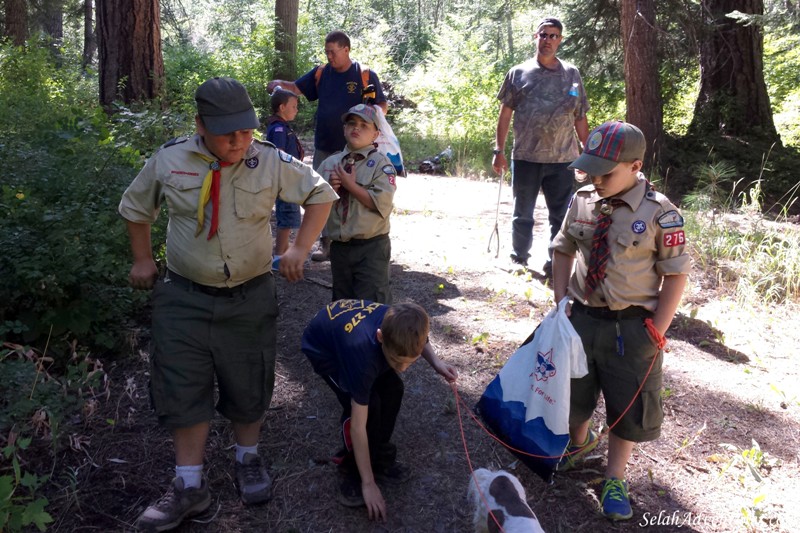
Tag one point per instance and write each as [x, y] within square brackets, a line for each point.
[615, 500]
[577, 454]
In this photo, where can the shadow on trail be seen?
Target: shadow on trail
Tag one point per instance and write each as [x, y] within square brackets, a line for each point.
[706, 338]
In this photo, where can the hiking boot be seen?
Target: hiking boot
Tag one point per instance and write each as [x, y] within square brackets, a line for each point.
[252, 480]
[175, 505]
[395, 474]
[548, 269]
[615, 500]
[517, 260]
[323, 253]
[574, 455]
[350, 491]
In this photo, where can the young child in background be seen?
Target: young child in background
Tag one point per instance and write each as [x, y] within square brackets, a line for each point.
[358, 224]
[632, 267]
[284, 109]
[359, 348]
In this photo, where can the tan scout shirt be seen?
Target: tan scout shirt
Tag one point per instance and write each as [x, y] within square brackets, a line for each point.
[646, 242]
[242, 247]
[377, 175]
[546, 104]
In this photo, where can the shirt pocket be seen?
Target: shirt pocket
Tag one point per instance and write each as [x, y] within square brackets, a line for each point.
[182, 194]
[253, 198]
[581, 232]
[631, 245]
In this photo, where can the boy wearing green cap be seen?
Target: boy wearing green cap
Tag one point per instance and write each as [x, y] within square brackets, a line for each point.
[215, 310]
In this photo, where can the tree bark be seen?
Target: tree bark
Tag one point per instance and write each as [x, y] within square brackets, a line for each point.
[642, 83]
[16, 21]
[89, 36]
[733, 97]
[131, 64]
[286, 12]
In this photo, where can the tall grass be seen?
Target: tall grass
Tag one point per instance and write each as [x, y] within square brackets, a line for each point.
[737, 244]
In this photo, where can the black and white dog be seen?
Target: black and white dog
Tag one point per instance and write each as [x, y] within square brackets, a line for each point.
[506, 499]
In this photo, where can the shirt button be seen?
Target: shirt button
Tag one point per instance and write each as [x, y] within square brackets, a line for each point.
[636, 243]
[581, 234]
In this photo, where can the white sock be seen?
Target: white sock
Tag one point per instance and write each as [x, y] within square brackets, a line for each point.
[192, 475]
[241, 450]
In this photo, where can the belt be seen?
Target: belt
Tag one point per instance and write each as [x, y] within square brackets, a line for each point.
[357, 242]
[634, 311]
[188, 284]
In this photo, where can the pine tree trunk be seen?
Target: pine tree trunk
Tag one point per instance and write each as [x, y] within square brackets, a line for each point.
[16, 21]
[131, 64]
[642, 84]
[733, 97]
[286, 12]
[89, 37]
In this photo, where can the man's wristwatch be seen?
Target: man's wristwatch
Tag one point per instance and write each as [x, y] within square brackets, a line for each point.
[497, 151]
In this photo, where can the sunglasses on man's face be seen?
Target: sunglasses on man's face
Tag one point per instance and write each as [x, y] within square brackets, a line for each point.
[543, 35]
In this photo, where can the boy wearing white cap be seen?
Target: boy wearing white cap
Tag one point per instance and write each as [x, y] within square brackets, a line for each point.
[358, 225]
[627, 283]
[215, 310]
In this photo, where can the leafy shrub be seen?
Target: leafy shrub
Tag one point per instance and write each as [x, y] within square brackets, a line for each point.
[65, 252]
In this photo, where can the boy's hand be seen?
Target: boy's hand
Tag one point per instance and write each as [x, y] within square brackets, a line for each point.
[346, 179]
[291, 266]
[376, 507]
[143, 274]
[448, 372]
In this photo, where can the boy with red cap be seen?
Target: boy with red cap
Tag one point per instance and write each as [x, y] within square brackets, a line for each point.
[627, 283]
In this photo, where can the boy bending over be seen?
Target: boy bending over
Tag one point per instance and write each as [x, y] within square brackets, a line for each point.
[359, 348]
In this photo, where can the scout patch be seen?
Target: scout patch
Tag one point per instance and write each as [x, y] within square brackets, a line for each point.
[371, 163]
[252, 162]
[676, 238]
[390, 172]
[286, 158]
[670, 219]
[639, 226]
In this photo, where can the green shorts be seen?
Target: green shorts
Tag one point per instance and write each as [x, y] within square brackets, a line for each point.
[200, 337]
[360, 269]
[619, 376]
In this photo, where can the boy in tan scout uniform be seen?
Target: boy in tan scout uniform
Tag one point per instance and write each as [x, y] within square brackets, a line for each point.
[215, 311]
[631, 271]
[358, 224]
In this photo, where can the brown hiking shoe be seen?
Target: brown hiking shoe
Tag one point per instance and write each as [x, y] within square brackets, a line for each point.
[253, 481]
[323, 253]
[175, 505]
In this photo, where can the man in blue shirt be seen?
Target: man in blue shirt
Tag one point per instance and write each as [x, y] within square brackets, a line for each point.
[338, 87]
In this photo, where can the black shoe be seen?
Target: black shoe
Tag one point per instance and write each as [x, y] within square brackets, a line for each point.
[395, 474]
[517, 260]
[350, 491]
[548, 269]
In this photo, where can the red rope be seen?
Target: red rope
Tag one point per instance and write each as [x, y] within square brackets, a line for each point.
[459, 400]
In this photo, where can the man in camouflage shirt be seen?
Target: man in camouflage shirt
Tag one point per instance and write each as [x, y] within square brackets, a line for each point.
[549, 104]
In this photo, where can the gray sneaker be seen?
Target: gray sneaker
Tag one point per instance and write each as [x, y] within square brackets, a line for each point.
[253, 481]
[175, 505]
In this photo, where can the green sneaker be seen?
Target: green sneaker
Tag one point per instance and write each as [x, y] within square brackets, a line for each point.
[615, 500]
[577, 454]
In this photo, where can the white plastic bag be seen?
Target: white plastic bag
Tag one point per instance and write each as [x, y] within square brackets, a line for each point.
[527, 404]
[387, 142]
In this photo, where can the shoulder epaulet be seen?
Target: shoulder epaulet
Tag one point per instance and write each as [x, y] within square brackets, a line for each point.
[586, 189]
[173, 142]
[265, 143]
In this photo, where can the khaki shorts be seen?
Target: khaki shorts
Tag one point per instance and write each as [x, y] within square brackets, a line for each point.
[619, 377]
[199, 337]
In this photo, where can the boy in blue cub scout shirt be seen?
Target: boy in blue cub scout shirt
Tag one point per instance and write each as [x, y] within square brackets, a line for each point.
[284, 109]
[631, 270]
[358, 224]
[215, 311]
[359, 348]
